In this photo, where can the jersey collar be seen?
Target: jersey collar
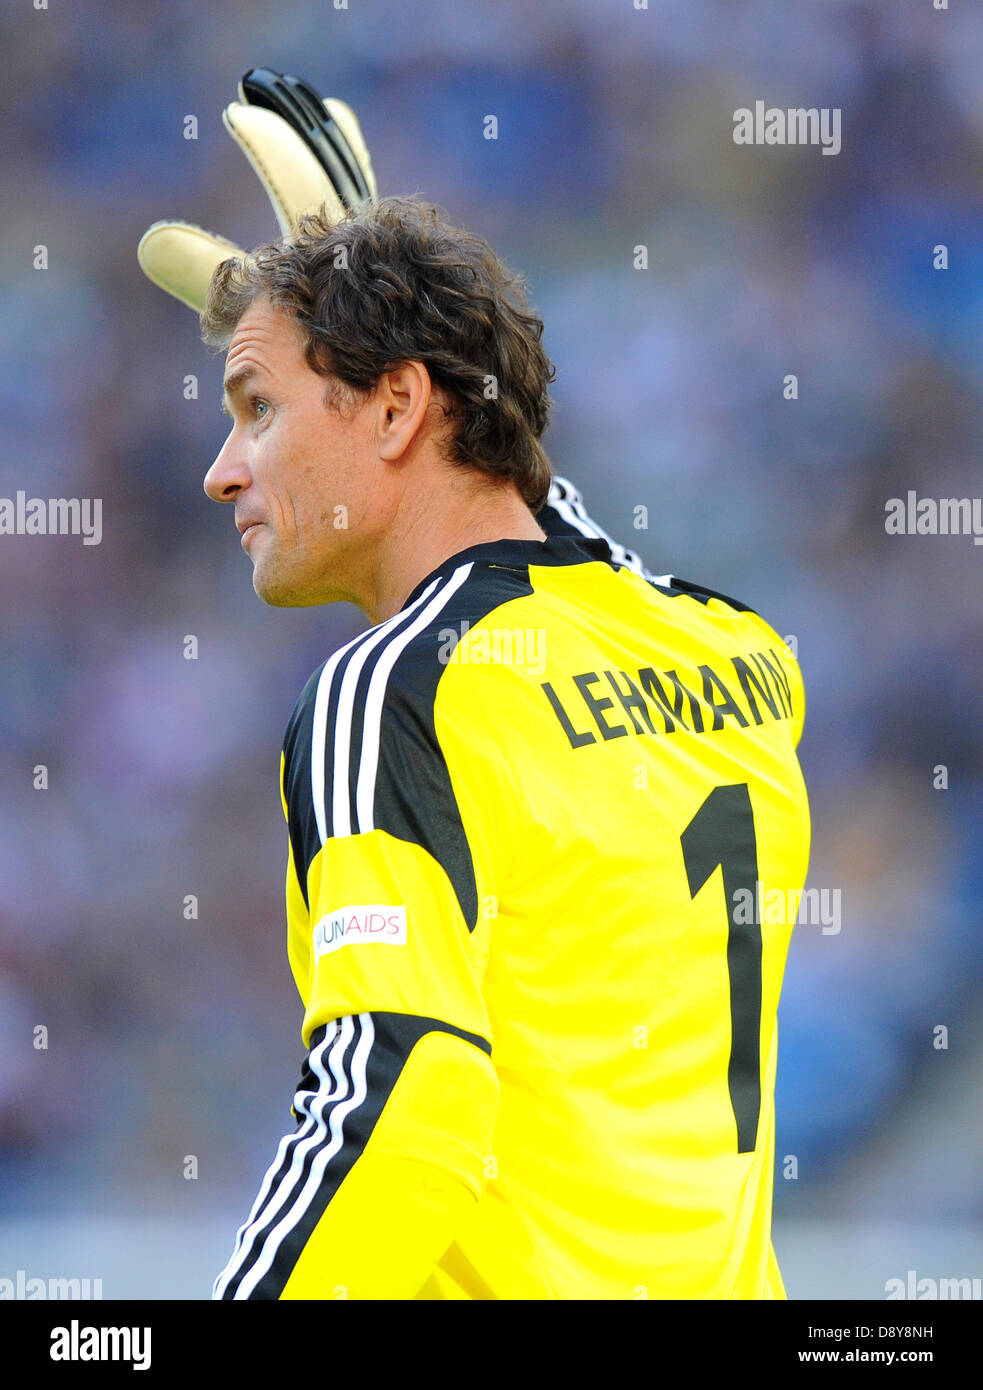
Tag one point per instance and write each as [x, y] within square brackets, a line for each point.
[516, 554]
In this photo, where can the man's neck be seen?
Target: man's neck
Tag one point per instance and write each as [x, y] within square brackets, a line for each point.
[424, 535]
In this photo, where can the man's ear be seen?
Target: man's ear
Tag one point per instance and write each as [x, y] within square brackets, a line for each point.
[403, 398]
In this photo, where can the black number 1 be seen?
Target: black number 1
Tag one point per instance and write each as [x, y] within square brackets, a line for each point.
[722, 832]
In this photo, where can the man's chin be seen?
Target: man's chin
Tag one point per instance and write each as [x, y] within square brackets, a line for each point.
[278, 596]
[279, 591]
[275, 589]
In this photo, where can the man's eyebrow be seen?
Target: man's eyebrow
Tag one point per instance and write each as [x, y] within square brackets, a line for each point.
[234, 383]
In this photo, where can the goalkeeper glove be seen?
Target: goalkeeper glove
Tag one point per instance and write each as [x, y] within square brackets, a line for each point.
[307, 152]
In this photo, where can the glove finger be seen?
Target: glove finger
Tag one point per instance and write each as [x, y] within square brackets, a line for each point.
[294, 180]
[341, 112]
[181, 258]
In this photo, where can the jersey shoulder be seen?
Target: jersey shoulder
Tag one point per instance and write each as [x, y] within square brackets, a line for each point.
[725, 621]
[361, 751]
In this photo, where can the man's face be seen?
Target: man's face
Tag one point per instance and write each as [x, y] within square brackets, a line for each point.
[305, 478]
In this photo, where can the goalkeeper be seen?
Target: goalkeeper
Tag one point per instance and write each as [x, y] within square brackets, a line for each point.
[540, 1034]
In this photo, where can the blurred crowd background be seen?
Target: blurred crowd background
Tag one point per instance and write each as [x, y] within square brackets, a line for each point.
[170, 1037]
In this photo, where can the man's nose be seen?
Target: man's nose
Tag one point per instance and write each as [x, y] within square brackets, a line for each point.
[228, 475]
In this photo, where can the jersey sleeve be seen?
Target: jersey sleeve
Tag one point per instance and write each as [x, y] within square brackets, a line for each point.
[397, 1103]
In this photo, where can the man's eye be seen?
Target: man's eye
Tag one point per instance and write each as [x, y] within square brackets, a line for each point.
[256, 403]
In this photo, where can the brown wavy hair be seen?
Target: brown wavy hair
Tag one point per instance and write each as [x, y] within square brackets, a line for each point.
[394, 282]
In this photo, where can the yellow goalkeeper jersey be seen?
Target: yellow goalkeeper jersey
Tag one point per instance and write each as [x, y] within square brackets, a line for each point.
[532, 819]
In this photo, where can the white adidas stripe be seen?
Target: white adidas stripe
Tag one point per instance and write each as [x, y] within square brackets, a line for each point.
[372, 725]
[324, 1152]
[312, 1126]
[320, 718]
[340, 800]
[572, 510]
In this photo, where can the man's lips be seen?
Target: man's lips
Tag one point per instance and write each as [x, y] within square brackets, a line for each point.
[243, 526]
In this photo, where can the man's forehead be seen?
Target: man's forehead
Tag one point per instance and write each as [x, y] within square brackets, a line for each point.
[265, 334]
